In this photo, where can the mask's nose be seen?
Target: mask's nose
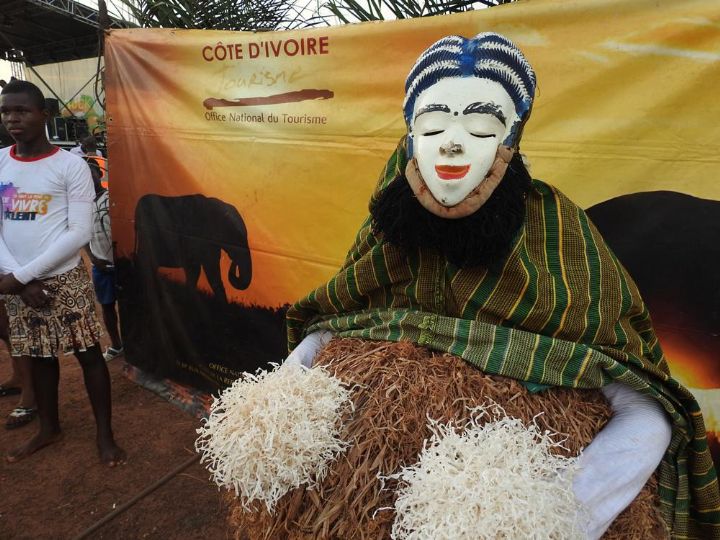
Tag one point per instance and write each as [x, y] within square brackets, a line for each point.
[451, 148]
[453, 141]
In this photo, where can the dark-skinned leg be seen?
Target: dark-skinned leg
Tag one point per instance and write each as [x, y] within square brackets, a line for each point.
[97, 384]
[45, 379]
[21, 376]
[23, 367]
[15, 379]
[110, 319]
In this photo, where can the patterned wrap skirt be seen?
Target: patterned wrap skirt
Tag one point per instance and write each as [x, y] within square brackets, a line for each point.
[68, 323]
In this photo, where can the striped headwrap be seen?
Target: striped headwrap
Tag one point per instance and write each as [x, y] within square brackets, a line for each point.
[486, 56]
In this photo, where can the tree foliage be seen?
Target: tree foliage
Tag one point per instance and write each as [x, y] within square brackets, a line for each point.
[348, 11]
[260, 15]
[264, 15]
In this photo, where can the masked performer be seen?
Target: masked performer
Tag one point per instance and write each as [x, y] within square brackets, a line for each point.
[464, 254]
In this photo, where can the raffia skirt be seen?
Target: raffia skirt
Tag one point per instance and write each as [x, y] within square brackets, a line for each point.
[399, 386]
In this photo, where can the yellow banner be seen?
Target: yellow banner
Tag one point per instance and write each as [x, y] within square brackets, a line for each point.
[292, 128]
[627, 102]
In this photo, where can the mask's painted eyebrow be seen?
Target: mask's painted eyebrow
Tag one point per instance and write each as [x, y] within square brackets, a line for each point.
[432, 108]
[484, 107]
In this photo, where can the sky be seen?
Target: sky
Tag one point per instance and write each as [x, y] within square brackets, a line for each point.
[4, 70]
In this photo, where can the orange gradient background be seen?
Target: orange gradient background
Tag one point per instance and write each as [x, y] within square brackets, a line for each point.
[626, 102]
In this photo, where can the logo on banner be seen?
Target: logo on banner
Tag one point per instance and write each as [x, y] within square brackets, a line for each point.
[307, 46]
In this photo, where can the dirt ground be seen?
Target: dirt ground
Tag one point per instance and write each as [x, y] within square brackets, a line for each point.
[63, 490]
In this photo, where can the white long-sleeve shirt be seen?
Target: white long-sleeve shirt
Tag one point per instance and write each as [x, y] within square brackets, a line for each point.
[47, 206]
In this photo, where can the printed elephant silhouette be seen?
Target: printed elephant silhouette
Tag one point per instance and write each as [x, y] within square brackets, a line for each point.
[189, 232]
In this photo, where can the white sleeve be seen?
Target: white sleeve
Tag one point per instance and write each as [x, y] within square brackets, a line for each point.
[81, 194]
[8, 264]
[307, 350]
[621, 458]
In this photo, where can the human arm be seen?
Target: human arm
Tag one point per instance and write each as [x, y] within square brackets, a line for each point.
[66, 246]
[307, 350]
[622, 457]
[10, 285]
[33, 294]
[8, 264]
[89, 253]
[100, 264]
[80, 195]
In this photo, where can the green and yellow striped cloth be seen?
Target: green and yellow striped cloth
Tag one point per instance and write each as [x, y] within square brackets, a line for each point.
[562, 311]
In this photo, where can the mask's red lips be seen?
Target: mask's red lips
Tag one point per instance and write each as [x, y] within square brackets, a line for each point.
[451, 172]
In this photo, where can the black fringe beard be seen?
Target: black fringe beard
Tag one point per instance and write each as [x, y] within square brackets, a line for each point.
[483, 238]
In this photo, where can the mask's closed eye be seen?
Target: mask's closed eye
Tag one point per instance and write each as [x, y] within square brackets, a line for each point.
[433, 132]
[483, 135]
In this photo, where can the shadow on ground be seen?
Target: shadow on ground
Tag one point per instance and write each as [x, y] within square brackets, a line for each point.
[63, 489]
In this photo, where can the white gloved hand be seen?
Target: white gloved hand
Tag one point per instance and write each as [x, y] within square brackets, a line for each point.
[621, 458]
[307, 350]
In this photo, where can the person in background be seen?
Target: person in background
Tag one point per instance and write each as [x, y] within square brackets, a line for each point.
[5, 138]
[87, 147]
[100, 251]
[47, 216]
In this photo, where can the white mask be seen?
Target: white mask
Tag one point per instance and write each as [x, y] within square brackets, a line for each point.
[457, 126]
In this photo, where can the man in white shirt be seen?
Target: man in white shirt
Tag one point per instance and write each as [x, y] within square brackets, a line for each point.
[47, 206]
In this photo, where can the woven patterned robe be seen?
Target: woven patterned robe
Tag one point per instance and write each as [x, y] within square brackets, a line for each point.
[562, 311]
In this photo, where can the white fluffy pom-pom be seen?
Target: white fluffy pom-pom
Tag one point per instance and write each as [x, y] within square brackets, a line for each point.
[493, 481]
[273, 431]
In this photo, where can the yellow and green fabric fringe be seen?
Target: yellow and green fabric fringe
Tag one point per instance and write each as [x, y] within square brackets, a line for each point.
[562, 311]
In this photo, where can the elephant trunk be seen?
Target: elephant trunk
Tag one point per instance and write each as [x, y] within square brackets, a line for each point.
[240, 273]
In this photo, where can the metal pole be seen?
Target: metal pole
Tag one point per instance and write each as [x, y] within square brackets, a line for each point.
[49, 88]
[82, 88]
[112, 515]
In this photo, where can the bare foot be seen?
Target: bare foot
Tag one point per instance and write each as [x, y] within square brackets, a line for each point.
[110, 453]
[38, 442]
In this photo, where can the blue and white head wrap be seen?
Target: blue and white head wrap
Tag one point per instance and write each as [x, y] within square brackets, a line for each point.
[486, 56]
